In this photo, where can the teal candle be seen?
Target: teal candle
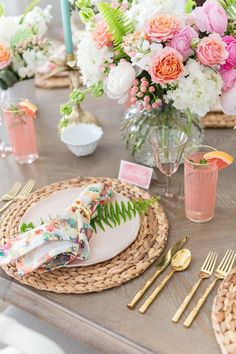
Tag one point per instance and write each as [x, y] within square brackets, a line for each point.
[65, 15]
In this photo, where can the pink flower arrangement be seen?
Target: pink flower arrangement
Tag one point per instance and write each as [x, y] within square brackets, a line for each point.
[231, 49]
[101, 36]
[166, 66]
[212, 51]
[182, 40]
[229, 78]
[162, 28]
[211, 17]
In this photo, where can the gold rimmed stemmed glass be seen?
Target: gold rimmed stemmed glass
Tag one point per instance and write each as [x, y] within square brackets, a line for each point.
[168, 145]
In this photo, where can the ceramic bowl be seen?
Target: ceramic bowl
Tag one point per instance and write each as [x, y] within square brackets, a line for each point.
[82, 139]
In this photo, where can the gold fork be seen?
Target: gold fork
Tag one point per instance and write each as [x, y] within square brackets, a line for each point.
[23, 193]
[205, 272]
[12, 192]
[221, 272]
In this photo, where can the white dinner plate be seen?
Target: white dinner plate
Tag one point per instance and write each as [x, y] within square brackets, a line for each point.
[103, 245]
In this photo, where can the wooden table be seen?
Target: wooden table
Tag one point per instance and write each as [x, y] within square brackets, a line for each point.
[102, 320]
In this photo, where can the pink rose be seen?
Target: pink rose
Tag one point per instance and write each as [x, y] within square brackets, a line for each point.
[101, 35]
[161, 28]
[228, 101]
[211, 17]
[231, 49]
[212, 51]
[182, 41]
[229, 78]
[166, 66]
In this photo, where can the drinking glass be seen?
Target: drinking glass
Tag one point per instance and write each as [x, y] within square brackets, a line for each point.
[5, 147]
[168, 145]
[20, 126]
[200, 184]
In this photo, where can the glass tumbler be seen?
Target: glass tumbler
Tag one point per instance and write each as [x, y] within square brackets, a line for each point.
[200, 185]
[20, 126]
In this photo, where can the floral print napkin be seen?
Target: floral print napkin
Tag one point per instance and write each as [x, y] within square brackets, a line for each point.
[59, 241]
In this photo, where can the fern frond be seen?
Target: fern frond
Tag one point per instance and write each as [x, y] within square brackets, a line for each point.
[230, 7]
[113, 213]
[118, 23]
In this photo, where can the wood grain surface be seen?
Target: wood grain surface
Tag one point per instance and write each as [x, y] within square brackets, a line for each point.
[103, 320]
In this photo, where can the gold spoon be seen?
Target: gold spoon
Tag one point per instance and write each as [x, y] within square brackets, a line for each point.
[180, 262]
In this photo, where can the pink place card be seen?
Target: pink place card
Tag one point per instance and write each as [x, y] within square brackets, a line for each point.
[135, 174]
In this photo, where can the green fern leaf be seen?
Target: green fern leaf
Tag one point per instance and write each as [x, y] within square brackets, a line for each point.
[230, 7]
[118, 23]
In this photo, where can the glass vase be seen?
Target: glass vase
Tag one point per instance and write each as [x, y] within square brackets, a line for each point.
[137, 127]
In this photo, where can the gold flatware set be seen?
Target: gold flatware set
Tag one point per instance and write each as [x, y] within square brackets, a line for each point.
[16, 193]
[180, 259]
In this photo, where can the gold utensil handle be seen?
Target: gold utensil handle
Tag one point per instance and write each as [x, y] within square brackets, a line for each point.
[6, 205]
[152, 297]
[142, 291]
[186, 301]
[189, 320]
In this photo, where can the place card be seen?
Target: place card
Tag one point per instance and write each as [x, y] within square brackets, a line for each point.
[135, 174]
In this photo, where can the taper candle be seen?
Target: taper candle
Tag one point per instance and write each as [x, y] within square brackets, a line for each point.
[65, 15]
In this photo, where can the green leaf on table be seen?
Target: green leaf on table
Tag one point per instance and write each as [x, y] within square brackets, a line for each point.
[26, 227]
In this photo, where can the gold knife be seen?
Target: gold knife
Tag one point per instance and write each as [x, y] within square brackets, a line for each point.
[162, 265]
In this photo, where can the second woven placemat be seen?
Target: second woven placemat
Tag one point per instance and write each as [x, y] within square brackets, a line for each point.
[219, 120]
[224, 314]
[129, 264]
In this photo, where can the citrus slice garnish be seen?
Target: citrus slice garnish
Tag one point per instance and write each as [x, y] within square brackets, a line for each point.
[30, 108]
[222, 158]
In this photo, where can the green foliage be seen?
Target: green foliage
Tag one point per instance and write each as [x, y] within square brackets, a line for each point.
[230, 7]
[26, 227]
[118, 23]
[189, 6]
[113, 213]
[77, 96]
[86, 14]
[7, 78]
[97, 89]
[20, 36]
[66, 109]
[28, 9]
[2, 9]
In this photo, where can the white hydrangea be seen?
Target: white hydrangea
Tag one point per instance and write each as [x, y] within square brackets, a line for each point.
[198, 90]
[8, 27]
[33, 59]
[142, 10]
[39, 18]
[90, 59]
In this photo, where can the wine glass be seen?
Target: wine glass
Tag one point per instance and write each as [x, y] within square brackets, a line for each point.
[168, 145]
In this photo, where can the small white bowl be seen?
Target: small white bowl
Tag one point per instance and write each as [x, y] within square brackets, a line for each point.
[81, 139]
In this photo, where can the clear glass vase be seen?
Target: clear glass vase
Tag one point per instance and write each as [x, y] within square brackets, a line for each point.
[5, 146]
[137, 126]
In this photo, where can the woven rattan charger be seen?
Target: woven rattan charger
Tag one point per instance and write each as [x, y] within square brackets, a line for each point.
[224, 314]
[127, 265]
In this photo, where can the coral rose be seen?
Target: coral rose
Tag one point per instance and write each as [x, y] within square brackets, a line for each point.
[161, 28]
[211, 17]
[166, 66]
[101, 36]
[231, 49]
[212, 51]
[5, 56]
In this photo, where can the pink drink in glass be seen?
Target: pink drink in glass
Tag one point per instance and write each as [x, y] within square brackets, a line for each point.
[200, 185]
[20, 127]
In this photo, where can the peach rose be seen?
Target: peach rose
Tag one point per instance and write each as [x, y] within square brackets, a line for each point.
[161, 28]
[212, 51]
[5, 56]
[101, 35]
[166, 66]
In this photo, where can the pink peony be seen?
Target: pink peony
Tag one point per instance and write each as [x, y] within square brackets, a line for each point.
[101, 36]
[211, 17]
[212, 51]
[229, 78]
[231, 49]
[166, 66]
[182, 41]
[228, 101]
[162, 28]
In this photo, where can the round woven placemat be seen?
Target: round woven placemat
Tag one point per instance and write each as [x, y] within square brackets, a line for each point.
[219, 120]
[53, 82]
[129, 264]
[224, 314]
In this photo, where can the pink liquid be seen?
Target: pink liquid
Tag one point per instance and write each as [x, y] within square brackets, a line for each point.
[22, 136]
[200, 183]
